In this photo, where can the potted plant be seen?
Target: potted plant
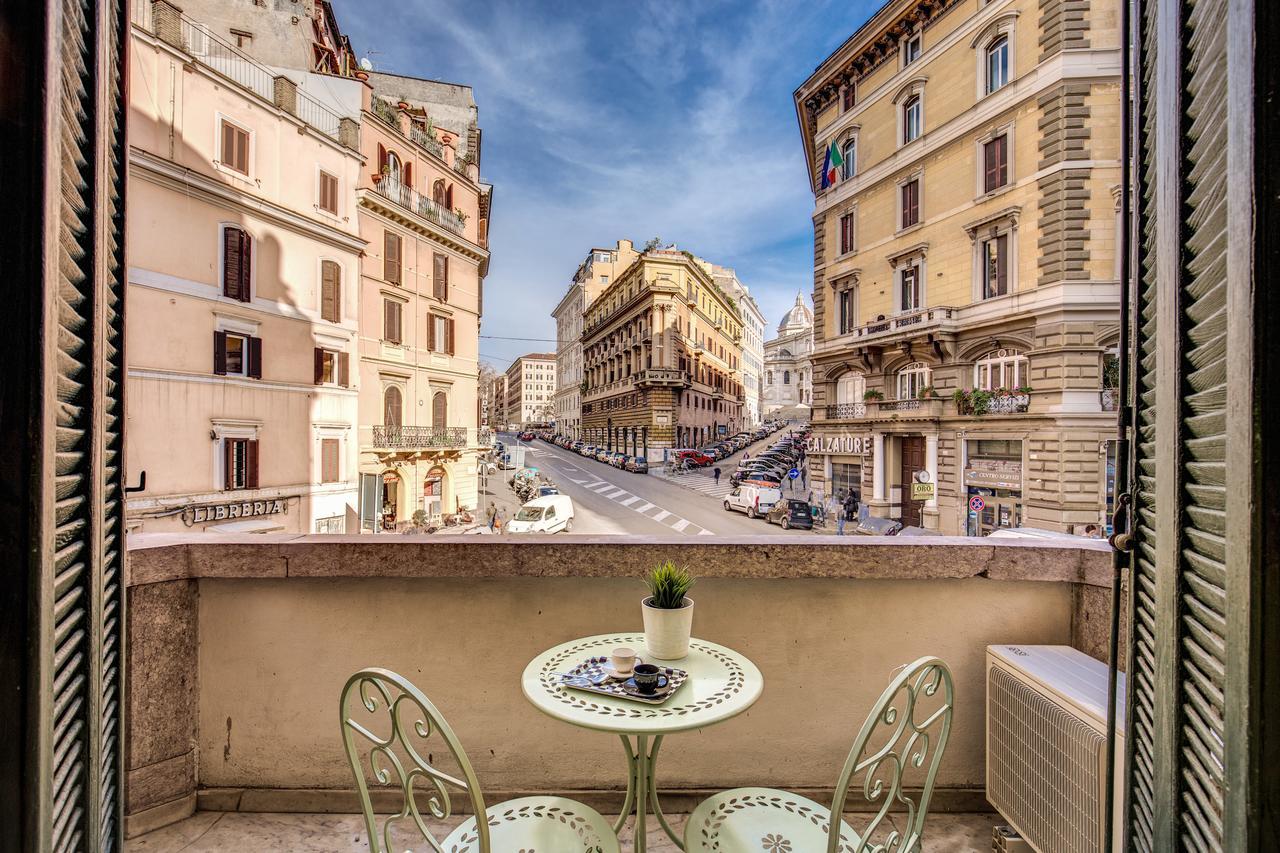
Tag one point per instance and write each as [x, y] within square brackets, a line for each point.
[668, 612]
[872, 394]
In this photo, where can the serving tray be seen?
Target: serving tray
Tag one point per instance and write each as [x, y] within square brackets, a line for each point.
[593, 669]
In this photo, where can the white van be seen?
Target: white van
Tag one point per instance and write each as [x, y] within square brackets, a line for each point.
[755, 501]
[547, 514]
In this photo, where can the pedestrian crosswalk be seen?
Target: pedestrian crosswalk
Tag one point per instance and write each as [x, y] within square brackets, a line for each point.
[635, 503]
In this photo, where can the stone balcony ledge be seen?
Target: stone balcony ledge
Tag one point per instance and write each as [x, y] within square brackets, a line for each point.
[158, 557]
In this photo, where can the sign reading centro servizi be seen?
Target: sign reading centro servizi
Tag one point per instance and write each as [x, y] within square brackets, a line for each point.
[856, 445]
[223, 512]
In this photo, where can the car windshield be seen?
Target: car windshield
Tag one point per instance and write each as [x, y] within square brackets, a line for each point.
[529, 513]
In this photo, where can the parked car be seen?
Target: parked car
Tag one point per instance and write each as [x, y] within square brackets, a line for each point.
[695, 457]
[525, 436]
[603, 454]
[638, 465]
[619, 460]
[790, 513]
[755, 501]
[587, 450]
[547, 514]
[577, 446]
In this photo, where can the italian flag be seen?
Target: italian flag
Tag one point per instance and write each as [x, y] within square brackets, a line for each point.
[831, 166]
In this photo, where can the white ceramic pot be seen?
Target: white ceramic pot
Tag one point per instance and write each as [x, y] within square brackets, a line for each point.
[666, 632]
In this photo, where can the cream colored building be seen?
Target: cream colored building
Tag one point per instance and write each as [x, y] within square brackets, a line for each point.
[243, 263]
[424, 213]
[788, 366]
[661, 355]
[531, 390]
[593, 275]
[965, 274]
[752, 347]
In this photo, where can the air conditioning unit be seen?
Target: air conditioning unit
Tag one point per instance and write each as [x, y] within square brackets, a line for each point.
[1046, 746]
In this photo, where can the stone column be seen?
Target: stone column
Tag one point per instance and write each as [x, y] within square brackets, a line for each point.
[878, 502]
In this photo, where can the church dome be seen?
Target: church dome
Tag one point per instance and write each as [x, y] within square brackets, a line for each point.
[798, 319]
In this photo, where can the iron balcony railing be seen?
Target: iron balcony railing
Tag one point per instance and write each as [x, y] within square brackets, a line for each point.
[910, 321]
[663, 376]
[410, 199]
[386, 111]
[427, 140]
[419, 437]
[846, 410]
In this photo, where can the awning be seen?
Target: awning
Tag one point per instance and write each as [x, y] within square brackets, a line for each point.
[261, 525]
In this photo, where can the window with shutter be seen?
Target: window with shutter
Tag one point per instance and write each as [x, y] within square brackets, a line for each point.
[251, 464]
[448, 336]
[344, 370]
[237, 254]
[235, 147]
[439, 410]
[329, 193]
[440, 282]
[330, 292]
[220, 353]
[910, 203]
[846, 233]
[329, 459]
[391, 321]
[392, 406]
[995, 155]
[254, 370]
[432, 337]
[391, 270]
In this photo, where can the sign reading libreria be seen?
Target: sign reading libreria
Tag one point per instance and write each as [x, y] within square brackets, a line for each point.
[855, 445]
[223, 512]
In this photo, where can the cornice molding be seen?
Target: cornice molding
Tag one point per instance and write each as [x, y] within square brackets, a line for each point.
[374, 201]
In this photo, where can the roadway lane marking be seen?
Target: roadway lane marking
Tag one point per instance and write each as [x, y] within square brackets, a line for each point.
[662, 513]
[617, 494]
[680, 524]
[645, 508]
[629, 501]
[705, 532]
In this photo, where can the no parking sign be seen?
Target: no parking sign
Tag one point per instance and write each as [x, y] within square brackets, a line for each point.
[977, 504]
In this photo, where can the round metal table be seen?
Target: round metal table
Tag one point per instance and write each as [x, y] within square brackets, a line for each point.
[722, 684]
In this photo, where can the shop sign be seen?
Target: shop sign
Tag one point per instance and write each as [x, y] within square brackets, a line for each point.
[224, 512]
[922, 491]
[994, 473]
[856, 445]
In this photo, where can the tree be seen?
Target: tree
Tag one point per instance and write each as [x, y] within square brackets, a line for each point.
[652, 244]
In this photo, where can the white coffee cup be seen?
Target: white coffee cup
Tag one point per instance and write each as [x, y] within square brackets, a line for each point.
[623, 659]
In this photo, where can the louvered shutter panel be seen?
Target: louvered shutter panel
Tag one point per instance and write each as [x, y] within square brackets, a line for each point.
[330, 292]
[344, 370]
[319, 365]
[255, 358]
[448, 336]
[1002, 264]
[382, 158]
[229, 463]
[440, 283]
[431, 332]
[391, 257]
[328, 460]
[406, 176]
[251, 464]
[246, 262]
[231, 257]
[220, 353]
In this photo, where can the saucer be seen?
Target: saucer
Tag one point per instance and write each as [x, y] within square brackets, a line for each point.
[608, 669]
[629, 687]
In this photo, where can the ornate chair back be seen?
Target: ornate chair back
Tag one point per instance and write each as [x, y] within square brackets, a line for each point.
[399, 758]
[893, 740]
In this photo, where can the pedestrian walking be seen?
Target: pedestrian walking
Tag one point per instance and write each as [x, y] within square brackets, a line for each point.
[851, 507]
[838, 509]
[804, 475]
[716, 475]
[493, 515]
[501, 523]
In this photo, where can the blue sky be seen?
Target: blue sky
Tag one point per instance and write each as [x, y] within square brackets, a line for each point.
[624, 120]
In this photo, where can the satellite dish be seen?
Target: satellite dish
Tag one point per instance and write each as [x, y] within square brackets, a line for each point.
[366, 64]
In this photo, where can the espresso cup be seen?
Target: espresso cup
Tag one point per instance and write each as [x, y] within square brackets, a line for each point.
[648, 678]
[623, 659]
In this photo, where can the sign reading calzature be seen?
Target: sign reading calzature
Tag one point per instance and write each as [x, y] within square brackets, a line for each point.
[222, 512]
[856, 445]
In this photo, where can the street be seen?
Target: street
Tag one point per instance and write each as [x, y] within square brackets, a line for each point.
[608, 500]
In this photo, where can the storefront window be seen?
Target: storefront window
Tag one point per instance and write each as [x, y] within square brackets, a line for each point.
[993, 485]
[846, 477]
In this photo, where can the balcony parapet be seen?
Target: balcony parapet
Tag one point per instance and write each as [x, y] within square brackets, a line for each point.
[419, 438]
[415, 202]
[663, 377]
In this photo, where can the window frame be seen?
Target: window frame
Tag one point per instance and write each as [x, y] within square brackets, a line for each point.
[1001, 40]
[917, 180]
[847, 232]
[335, 442]
[250, 147]
[389, 302]
[912, 119]
[1002, 224]
[1003, 27]
[1002, 359]
[850, 168]
[321, 174]
[904, 48]
[984, 245]
[906, 377]
[251, 257]
[986, 187]
[915, 259]
[330, 263]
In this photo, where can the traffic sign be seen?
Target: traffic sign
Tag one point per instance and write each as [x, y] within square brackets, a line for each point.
[977, 504]
[794, 473]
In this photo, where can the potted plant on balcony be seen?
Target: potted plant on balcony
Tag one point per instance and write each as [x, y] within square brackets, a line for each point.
[461, 214]
[668, 611]
[926, 393]
[872, 395]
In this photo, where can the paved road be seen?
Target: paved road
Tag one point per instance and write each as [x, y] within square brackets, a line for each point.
[609, 500]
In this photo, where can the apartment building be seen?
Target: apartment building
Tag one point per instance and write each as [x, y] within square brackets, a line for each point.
[242, 296]
[661, 357]
[592, 276]
[965, 166]
[788, 365]
[752, 348]
[424, 213]
[531, 390]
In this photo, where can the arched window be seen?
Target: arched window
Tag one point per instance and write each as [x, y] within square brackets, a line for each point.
[912, 379]
[437, 192]
[997, 67]
[439, 410]
[392, 406]
[850, 154]
[786, 377]
[768, 377]
[394, 169]
[912, 118]
[1001, 368]
[850, 388]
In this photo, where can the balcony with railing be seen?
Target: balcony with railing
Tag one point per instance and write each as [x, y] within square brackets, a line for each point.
[420, 438]
[239, 648]
[410, 199]
[663, 377]
[846, 411]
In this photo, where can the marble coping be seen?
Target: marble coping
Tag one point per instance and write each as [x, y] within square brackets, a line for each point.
[159, 557]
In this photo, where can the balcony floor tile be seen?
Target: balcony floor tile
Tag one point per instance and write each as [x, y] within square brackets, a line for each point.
[222, 832]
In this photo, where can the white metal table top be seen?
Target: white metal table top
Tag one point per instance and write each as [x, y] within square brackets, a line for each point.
[722, 684]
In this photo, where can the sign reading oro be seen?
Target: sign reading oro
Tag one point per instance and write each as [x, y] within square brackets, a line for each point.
[223, 512]
[856, 445]
[921, 491]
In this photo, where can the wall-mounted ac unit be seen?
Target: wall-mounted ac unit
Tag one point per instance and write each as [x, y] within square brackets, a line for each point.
[1046, 746]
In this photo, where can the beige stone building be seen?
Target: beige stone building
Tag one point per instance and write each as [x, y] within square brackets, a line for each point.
[592, 276]
[965, 272]
[788, 366]
[424, 213]
[661, 358]
[243, 262]
[531, 390]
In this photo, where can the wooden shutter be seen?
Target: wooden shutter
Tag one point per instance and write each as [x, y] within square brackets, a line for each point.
[319, 364]
[910, 203]
[431, 332]
[254, 355]
[846, 233]
[392, 410]
[328, 460]
[220, 353]
[448, 335]
[251, 464]
[344, 370]
[382, 157]
[440, 282]
[231, 259]
[328, 192]
[406, 175]
[439, 410]
[330, 292]
[391, 321]
[229, 463]
[391, 257]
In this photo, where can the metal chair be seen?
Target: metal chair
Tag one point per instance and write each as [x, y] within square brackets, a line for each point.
[764, 819]
[399, 758]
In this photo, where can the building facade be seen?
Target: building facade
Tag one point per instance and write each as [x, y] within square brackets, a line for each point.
[752, 349]
[242, 297]
[788, 366]
[424, 214]
[661, 358]
[592, 276]
[531, 390]
[965, 273]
